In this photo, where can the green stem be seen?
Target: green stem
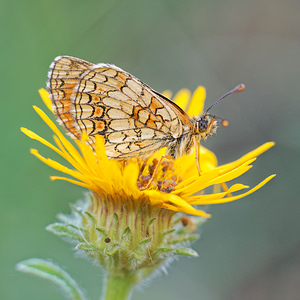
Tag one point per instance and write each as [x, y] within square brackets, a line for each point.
[118, 288]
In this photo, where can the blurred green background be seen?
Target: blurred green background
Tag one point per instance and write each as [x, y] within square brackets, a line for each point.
[250, 249]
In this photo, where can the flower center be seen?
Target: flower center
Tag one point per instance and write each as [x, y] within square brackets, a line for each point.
[162, 175]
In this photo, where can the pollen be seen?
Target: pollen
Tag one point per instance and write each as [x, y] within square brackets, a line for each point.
[162, 176]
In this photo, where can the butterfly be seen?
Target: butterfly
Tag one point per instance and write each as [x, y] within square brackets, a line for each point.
[135, 120]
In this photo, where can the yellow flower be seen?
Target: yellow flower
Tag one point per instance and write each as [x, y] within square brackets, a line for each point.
[176, 185]
[129, 223]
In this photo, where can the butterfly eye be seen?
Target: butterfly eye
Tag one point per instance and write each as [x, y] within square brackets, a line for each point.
[202, 125]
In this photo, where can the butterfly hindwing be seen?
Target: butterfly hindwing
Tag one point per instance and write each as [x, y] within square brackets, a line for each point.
[62, 78]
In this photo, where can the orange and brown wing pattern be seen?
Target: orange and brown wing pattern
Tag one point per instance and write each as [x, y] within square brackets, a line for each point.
[103, 99]
[63, 76]
[134, 119]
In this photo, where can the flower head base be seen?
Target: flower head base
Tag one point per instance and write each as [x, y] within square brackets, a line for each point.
[129, 223]
[127, 236]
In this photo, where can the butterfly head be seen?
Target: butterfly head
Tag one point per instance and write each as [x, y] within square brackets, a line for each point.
[202, 124]
[205, 125]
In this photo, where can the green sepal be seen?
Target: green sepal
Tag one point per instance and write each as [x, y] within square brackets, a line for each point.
[168, 232]
[115, 217]
[101, 231]
[200, 221]
[75, 209]
[48, 270]
[186, 251]
[163, 250]
[178, 251]
[145, 241]
[137, 256]
[127, 233]
[69, 231]
[86, 247]
[151, 221]
[90, 216]
[184, 239]
[110, 251]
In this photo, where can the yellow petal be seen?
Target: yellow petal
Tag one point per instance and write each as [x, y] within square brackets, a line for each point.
[88, 186]
[53, 127]
[81, 167]
[174, 203]
[207, 199]
[211, 178]
[190, 210]
[167, 93]
[182, 98]
[45, 97]
[197, 102]
[254, 153]
[130, 176]
[230, 199]
[237, 172]
[100, 148]
[34, 136]
[193, 184]
[88, 155]
[55, 165]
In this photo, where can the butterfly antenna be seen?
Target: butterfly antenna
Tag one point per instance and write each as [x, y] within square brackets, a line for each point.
[238, 88]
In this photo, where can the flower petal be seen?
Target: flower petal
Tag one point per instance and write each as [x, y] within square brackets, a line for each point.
[57, 166]
[81, 167]
[213, 177]
[35, 136]
[197, 102]
[254, 153]
[207, 199]
[45, 97]
[53, 127]
[88, 186]
[173, 202]
[88, 155]
[233, 198]
[130, 176]
[167, 93]
[182, 98]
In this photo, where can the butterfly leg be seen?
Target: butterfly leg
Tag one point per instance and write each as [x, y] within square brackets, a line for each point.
[197, 154]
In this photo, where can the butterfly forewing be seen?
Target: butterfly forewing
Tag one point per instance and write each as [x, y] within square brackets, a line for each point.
[103, 99]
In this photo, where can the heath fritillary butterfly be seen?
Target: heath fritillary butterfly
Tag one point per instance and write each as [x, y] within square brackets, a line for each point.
[134, 120]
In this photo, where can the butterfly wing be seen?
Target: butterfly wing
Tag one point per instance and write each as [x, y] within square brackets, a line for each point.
[63, 76]
[134, 119]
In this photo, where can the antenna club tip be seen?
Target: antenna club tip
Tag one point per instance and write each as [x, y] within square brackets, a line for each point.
[224, 123]
[240, 87]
